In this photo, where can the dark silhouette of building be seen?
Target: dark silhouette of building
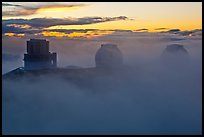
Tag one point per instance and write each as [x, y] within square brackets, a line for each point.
[39, 61]
[175, 55]
[38, 55]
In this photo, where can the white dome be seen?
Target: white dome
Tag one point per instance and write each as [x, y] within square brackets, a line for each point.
[108, 56]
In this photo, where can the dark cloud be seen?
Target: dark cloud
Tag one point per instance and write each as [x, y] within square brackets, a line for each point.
[191, 32]
[28, 10]
[18, 30]
[142, 29]
[19, 13]
[38, 25]
[174, 30]
[48, 22]
[118, 30]
[67, 31]
[30, 32]
[161, 28]
[195, 32]
[8, 4]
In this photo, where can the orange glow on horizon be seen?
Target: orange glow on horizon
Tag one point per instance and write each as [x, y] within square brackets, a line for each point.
[20, 26]
[88, 34]
[133, 25]
[14, 34]
[9, 34]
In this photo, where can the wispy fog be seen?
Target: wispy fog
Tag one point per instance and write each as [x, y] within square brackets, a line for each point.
[145, 97]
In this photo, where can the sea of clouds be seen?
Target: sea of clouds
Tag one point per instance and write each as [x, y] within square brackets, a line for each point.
[147, 98]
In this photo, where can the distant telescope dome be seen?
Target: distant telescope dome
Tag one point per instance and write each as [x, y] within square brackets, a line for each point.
[108, 56]
[175, 54]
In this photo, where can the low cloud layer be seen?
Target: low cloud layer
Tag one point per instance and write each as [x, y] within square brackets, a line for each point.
[9, 57]
[146, 98]
[136, 103]
[185, 32]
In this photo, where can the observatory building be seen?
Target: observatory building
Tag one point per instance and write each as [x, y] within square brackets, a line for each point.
[108, 56]
[175, 54]
[38, 55]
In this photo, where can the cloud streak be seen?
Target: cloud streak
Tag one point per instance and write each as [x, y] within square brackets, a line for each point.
[26, 10]
[39, 25]
[161, 28]
[13, 5]
[48, 22]
[144, 29]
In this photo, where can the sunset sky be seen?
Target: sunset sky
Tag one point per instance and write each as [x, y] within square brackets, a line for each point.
[118, 68]
[97, 18]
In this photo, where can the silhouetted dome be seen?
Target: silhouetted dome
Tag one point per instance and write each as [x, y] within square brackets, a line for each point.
[175, 54]
[108, 56]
